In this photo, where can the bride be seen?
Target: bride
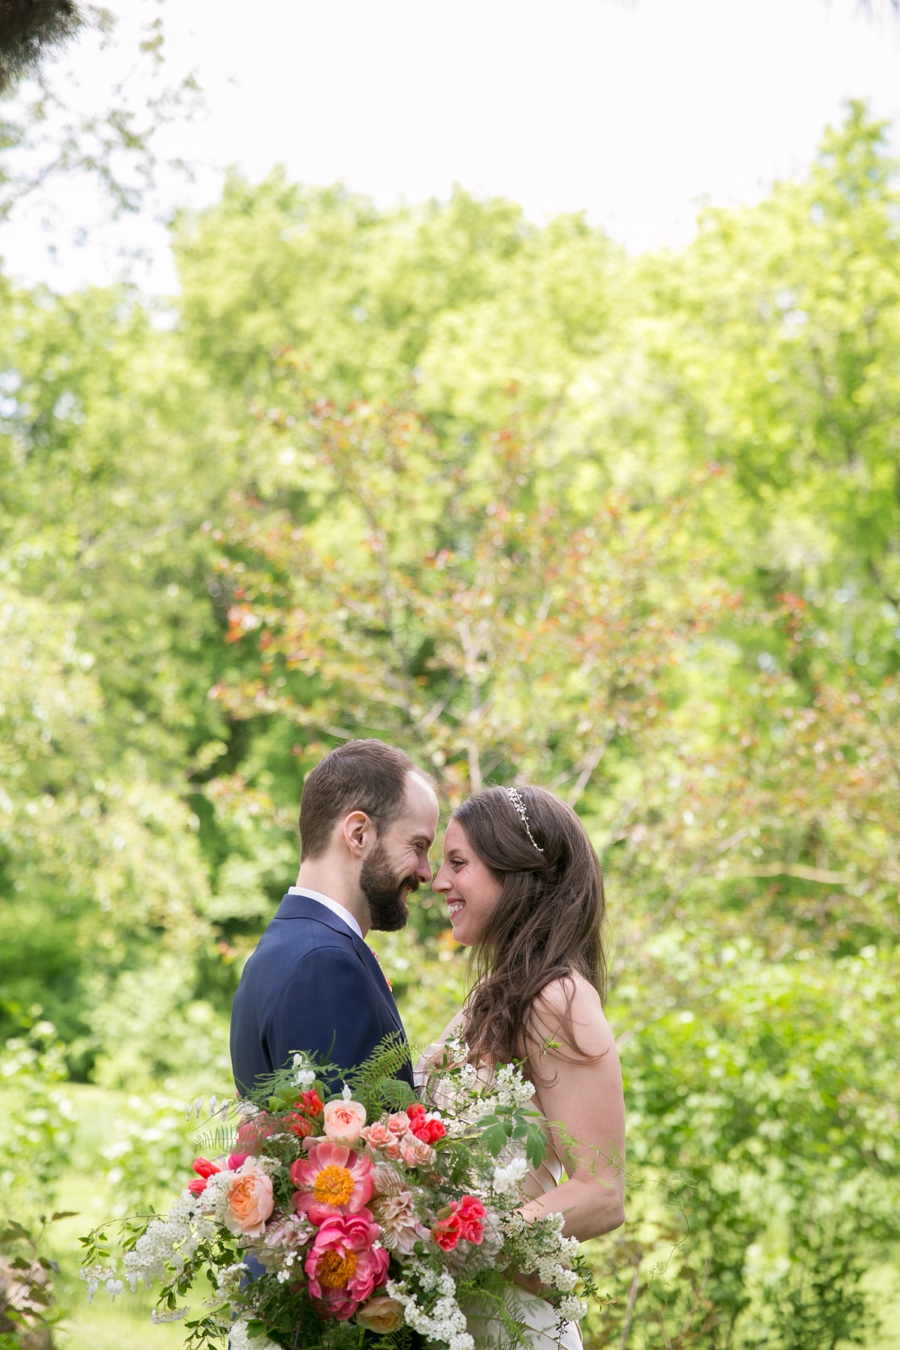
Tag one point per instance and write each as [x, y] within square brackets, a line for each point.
[523, 889]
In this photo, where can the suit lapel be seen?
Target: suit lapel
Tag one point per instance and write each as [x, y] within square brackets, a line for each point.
[371, 962]
[304, 907]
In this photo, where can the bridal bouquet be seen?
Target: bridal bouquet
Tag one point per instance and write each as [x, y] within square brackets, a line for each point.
[368, 1215]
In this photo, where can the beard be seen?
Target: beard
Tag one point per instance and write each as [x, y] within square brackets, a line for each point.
[388, 909]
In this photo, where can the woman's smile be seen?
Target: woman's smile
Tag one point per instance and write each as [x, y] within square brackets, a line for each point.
[469, 889]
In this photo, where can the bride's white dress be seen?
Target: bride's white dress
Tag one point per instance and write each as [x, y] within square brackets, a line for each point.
[534, 1314]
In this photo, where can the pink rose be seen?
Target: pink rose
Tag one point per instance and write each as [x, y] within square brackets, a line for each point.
[381, 1314]
[344, 1268]
[332, 1180]
[344, 1121]
[415, 1152]
[249, 1200]
[398, 1123]
[378, 1136]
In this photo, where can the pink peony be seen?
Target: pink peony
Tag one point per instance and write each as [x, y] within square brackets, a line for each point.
[415, 1152]
[381, 1314]
[344, 1121]
[251, 1134]
[344, 1268]
[249, 1200]
[333, 1180]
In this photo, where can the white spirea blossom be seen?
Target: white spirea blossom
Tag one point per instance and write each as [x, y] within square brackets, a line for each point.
[170, 1241]
[170, 1314]
[446, 1322]
[572, 1308]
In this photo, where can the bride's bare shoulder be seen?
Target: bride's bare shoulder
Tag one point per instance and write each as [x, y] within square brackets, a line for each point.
[570, 1007]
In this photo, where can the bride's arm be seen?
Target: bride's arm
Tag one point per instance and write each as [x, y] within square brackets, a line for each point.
[585, 1096]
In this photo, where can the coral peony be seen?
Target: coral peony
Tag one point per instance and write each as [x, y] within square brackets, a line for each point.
[344, 1267]
[310, 1102]
[299, 1124]
[204, 1169]
[344, 1121]
[333, 1180]
[471, 1214]
[447, 1232]
[249, 1200]
[381, 1314]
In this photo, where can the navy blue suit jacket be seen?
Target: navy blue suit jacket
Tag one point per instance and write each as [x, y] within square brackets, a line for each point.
[311, 985]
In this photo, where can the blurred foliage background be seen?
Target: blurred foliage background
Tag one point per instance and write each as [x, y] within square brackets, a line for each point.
[538, 511]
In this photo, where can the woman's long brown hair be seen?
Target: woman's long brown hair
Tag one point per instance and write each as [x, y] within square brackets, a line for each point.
[547, 922]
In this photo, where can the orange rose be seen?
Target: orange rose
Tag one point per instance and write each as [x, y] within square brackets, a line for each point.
[344, 1121]
[381, 1314]
[249, 1200]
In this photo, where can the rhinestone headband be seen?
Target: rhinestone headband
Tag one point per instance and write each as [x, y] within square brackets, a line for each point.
[519, 806]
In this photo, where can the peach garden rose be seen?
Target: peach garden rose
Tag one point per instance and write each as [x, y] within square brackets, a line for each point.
[344, 1121]
[381, 1314]
[249, 1200]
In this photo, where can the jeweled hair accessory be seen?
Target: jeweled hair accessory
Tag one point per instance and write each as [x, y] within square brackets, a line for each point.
[519, 806]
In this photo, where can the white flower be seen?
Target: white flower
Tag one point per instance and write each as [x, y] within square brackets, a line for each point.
[507, 1178]
[304, 1076]
[240, 1339]
[94, 1275]
[572, 1308]
[170, 1315]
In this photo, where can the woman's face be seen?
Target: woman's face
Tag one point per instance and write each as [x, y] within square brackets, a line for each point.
[470, 890]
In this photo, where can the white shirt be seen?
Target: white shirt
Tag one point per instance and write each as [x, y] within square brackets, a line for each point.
[333, 905]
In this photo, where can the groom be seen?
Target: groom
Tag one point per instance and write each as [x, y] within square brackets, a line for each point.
[368, 818]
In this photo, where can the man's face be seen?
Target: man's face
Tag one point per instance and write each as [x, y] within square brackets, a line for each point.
[398, 863]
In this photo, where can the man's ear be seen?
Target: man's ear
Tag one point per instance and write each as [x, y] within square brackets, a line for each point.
[357, 830]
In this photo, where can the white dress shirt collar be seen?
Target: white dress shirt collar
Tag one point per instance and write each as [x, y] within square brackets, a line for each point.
[333, 905]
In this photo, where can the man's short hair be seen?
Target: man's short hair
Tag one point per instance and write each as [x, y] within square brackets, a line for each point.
[362, 775]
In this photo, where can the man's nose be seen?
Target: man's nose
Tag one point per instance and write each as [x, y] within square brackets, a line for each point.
[425, 871]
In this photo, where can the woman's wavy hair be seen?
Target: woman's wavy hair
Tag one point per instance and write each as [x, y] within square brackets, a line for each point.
[547, 922]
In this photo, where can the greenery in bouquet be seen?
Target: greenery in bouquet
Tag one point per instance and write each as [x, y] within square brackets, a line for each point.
[334, 1214]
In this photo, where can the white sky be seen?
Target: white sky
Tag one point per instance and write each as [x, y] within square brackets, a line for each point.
[633, 112]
